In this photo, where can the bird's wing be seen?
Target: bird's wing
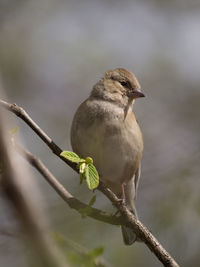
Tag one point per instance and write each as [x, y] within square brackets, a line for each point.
[137, 179]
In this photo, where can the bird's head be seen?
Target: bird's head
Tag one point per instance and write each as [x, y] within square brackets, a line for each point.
[123, 82]
[118, 85]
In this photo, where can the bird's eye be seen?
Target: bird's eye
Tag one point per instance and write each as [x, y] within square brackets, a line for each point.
[125, 84]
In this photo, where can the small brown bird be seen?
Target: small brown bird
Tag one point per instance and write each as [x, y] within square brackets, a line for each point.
[105, 128]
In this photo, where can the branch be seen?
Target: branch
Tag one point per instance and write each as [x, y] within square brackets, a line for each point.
[65, 195]
[25, 206]
[143, 233]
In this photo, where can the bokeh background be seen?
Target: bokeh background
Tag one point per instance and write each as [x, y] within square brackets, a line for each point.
[51, 54]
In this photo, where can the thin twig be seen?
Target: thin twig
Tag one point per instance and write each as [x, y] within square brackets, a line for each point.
[142, 232]
[21, 113]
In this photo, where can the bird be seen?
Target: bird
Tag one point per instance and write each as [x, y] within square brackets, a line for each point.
[105, 128]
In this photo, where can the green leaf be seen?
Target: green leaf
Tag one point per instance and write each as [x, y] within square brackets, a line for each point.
[71, 156]
[89, 160]
[92, 176]
[82, 160]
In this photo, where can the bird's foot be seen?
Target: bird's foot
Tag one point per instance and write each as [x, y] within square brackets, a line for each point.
[122, 201]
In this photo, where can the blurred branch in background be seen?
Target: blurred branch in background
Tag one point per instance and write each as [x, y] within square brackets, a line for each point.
[82, 255]
[25, 205]
[142, 232]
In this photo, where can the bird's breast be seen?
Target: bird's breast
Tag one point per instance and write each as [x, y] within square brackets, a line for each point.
[115, 144]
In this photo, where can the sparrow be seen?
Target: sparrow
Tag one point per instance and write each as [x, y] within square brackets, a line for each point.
[105, 128]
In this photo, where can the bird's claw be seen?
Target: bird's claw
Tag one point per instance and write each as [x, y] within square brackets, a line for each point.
[122, 201]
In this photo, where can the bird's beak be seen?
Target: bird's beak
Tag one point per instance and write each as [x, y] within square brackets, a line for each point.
[135, 93]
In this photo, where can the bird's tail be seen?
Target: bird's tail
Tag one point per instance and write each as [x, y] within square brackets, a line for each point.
[128, 234]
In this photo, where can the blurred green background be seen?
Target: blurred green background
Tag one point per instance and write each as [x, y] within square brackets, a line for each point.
[51, 54]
